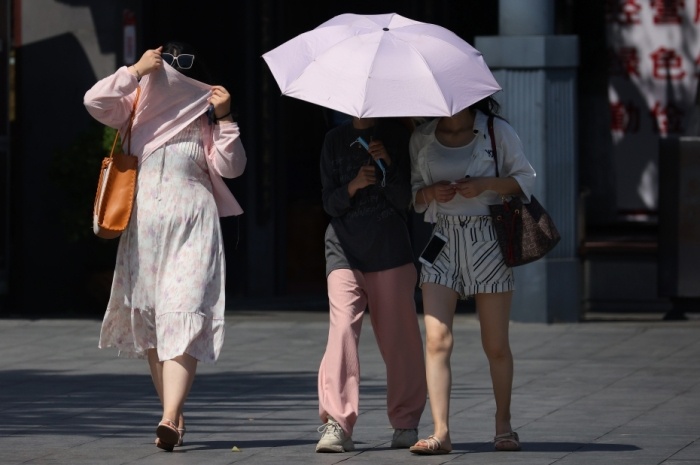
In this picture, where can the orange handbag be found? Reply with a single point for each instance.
(116, 188)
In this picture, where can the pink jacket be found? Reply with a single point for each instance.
(169, 102)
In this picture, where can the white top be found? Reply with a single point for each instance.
(451, 164)
(432, 162)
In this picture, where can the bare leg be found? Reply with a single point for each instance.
(156, 367)
(439, 303)
(178, 375)
(494, 318)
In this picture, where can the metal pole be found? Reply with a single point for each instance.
(5, 47)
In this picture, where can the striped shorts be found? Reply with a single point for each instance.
(471, 262)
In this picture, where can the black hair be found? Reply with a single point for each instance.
(198, 71)
(487, 105)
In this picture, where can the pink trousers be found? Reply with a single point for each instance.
(389, 296)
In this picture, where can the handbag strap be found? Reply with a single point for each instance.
(114, 144)
(131, 119)
(128, 129)
(507, 220)
(493, 142)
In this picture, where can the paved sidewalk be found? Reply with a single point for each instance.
(588, 393)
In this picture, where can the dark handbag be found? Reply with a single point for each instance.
(116, 188)
(525, 231)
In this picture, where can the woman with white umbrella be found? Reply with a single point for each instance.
(373, 66)
(454, 180)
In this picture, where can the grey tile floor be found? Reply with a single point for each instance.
(605, 392)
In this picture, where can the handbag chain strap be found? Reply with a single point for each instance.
(493, 143)
(510, 225)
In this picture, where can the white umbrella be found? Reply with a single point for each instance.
(382, 65)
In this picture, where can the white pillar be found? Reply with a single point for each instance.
(525, 17)
(537, 71)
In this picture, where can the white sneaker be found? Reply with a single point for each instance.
(404, 438)
(333, 438)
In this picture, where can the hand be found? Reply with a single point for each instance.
(221, 100)
(378, 152)
(470, 187)
(149, 62)
(443, 191)
(366, 176)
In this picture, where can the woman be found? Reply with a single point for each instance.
(369, 264)
(453, 181)
(167, 300)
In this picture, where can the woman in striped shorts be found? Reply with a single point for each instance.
(454, 181)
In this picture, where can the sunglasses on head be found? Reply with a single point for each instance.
(183, 61)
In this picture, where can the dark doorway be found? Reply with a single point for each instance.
(5, 47)
(277, 248)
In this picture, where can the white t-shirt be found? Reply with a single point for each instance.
(432, 162)
(450, 164)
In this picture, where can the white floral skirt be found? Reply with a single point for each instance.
(169, 281)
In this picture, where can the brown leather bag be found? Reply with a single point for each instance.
(525, 231)
(116, 188)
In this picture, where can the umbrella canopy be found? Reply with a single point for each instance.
(382, 65)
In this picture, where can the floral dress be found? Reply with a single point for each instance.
(168, 288)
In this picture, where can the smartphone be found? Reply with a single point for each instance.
(431, 251)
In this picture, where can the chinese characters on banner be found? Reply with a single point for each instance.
(654, 53)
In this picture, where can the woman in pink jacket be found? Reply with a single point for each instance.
(167, 300)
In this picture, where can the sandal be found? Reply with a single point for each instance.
(167, 435)
(181, 432)
(432, 447)
(507, 442)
